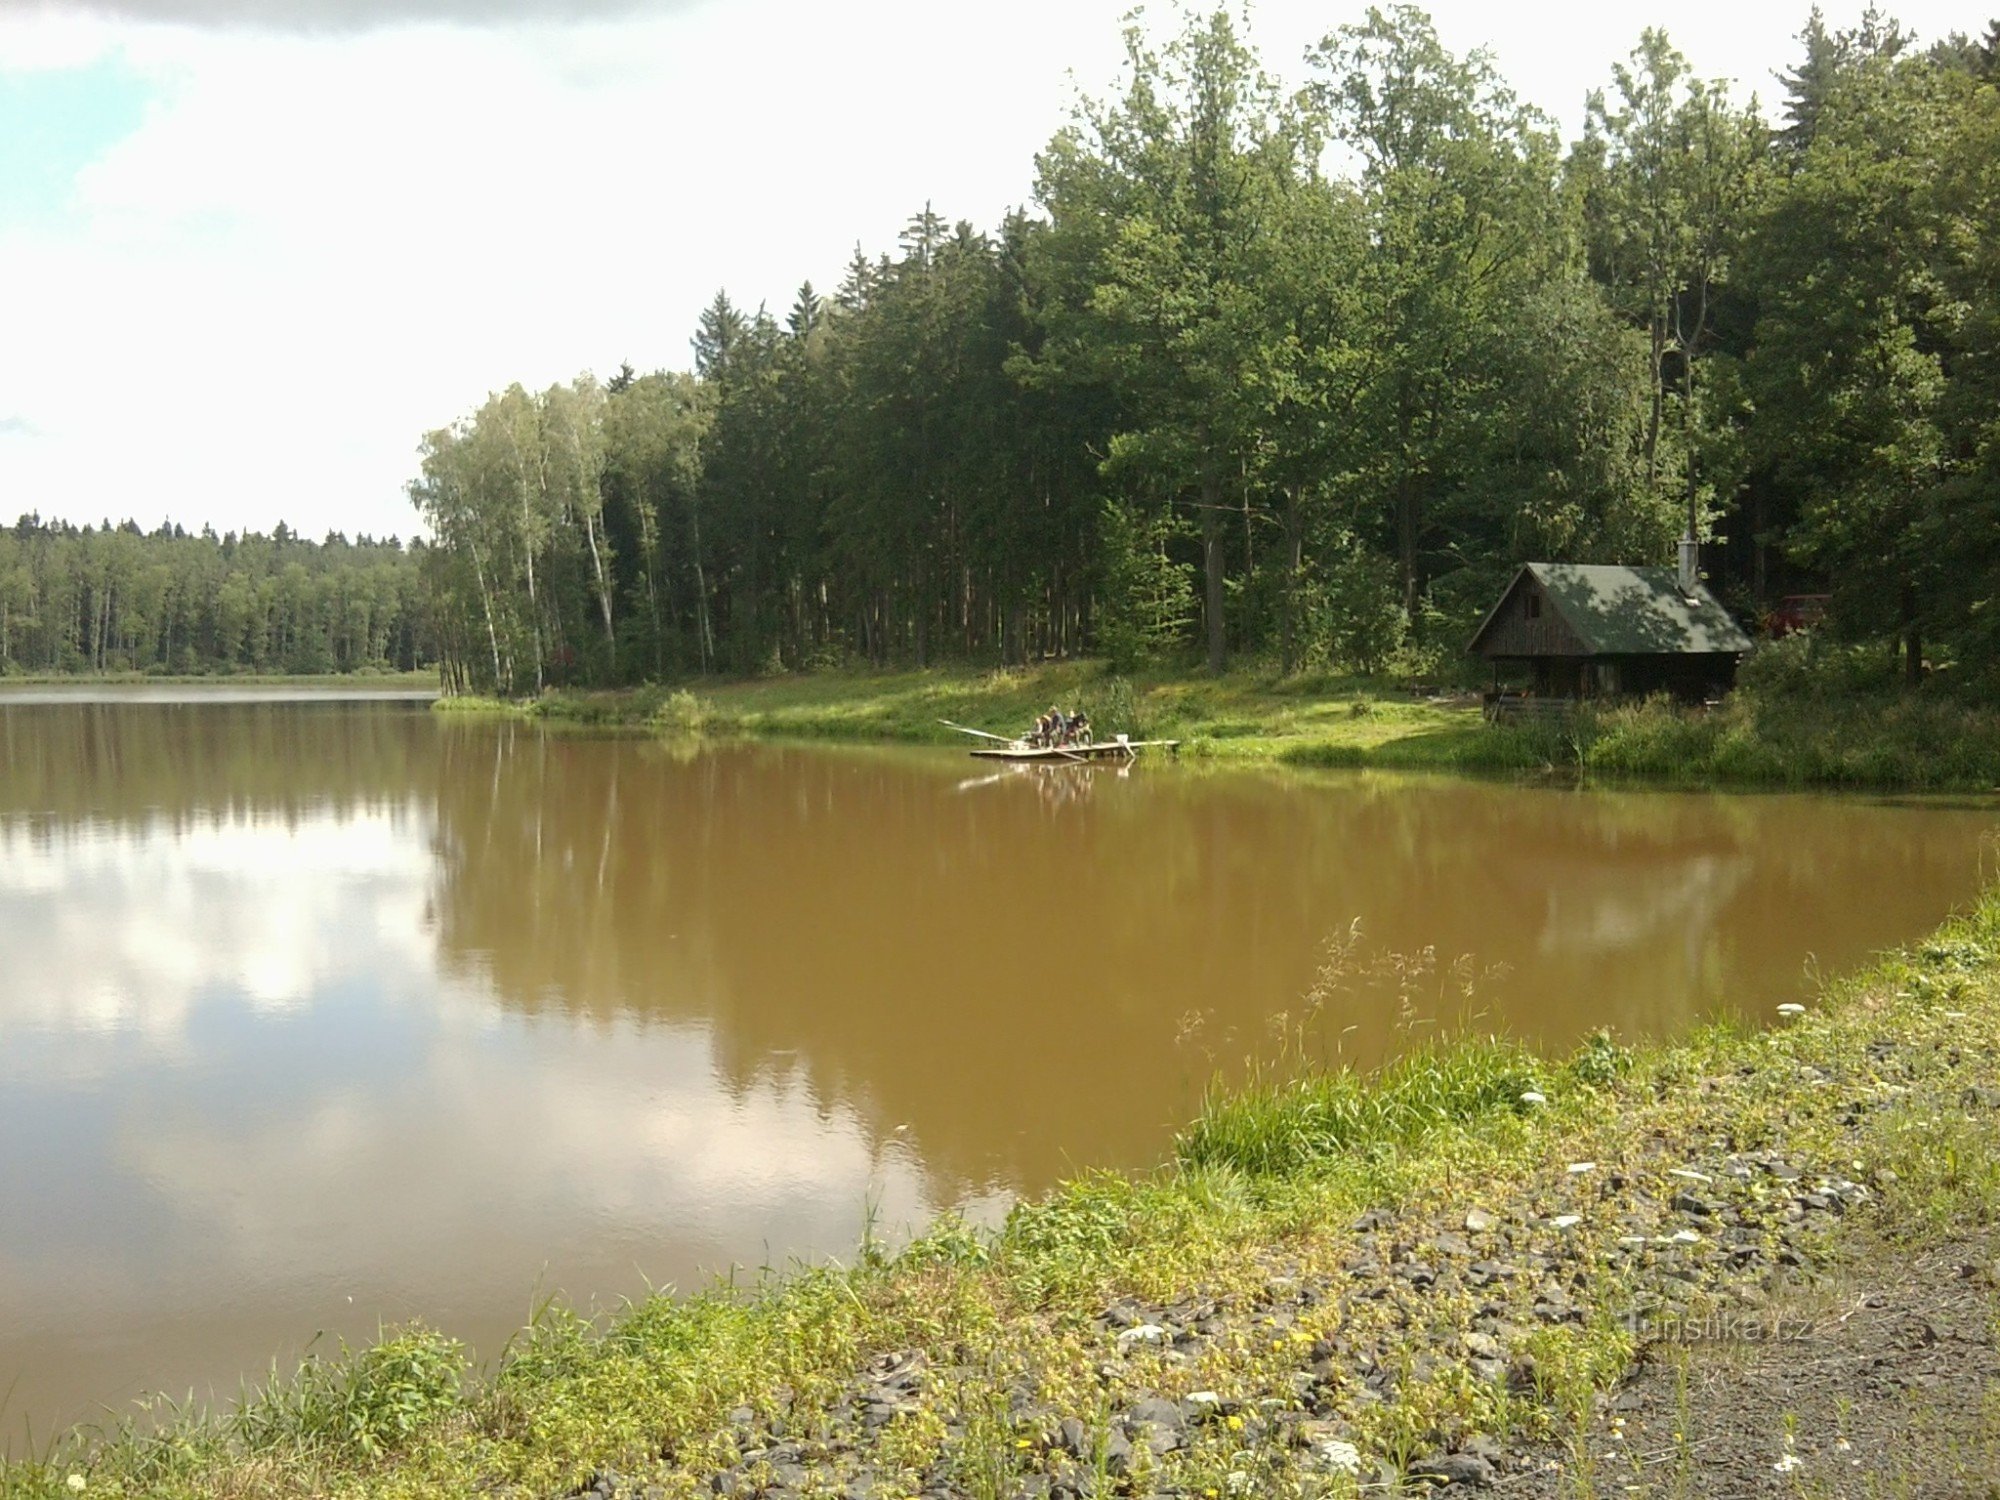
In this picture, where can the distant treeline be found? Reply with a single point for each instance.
(118, 599)
(1302, 373)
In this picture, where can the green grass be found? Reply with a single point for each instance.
(1250, 714)
(1770, 735)
(1269, 1174)
(1875, 742)
(1275, 1126)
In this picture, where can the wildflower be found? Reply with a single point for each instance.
(1341, 1456)
(1788, 1463)
(1235, 1422)
(77, 1483)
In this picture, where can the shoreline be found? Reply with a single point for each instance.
(1770, 742)
(1455, 1267)
(84, 681)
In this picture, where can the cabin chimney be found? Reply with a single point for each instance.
(1690, 578)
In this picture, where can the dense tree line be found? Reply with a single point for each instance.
(1301, 372)
(116, 598)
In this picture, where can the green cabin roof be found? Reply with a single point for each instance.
(1618, 611)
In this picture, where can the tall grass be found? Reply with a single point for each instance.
(1900, 742)
(1275, 1127)
(361, 1404)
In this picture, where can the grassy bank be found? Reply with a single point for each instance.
(1335, 1281)
(1769, 735)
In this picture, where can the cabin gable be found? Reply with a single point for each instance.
(1526, 623)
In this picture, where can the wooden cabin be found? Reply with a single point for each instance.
(1589, 631)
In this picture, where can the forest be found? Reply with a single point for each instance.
(1296, 371)
(118, 599)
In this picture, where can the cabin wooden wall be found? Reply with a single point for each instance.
(1516, 629)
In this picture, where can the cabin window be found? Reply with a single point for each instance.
(1534, 606)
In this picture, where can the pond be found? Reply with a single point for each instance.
(319, 1015)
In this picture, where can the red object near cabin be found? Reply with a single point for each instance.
(1796, 612)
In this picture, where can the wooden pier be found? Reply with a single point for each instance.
(1118, 747)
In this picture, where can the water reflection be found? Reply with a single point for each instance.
(316, 1015)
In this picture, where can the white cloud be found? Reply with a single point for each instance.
(116, 931)
(318, 245)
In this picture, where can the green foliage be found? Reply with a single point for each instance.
(1148, 596)
(682, 713)
(1600, 1060)
(362, 1404)
(1227, 383)
(115, 599)
(1761, 736)
(1113, 708)
(1354, 618)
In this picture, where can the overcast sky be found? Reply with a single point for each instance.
(250, 250)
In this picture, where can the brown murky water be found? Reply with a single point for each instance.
(317, 1015)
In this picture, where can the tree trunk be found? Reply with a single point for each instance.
(492, 635)
(1409, 503)
(1913, 639)
(1295, 543)
(1658, 413)
(1211, 564)
(704, 636)
(603, 587)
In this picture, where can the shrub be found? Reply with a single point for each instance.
(682, 713)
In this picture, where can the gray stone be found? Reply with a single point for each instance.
(1117, 1453)
(1158, 1412)
(1479, 1221)
(1205, 1406)
(1468, 1469)
(1122, 1314)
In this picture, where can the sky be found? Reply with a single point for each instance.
(251, 250)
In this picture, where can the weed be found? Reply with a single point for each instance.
(1943, 1168)
(360, 1404)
